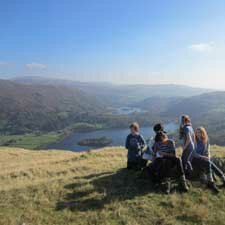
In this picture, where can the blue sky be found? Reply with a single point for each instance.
(120, 41)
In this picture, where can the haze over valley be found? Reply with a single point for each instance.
(36, 105)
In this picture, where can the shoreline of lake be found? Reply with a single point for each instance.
(118, 136)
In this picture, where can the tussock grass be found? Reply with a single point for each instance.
(62, 187)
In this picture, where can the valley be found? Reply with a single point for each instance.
(44, 112)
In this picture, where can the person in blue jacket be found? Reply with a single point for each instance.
(134, 144)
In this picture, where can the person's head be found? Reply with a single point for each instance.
(158, 128)
(134, 128)
(185, 119)
(161, 137)
(201, 134)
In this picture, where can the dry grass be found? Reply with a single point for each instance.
(61, 187)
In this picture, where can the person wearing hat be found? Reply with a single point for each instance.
(158, 128)
(169, 166)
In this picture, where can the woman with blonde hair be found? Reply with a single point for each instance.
(201, 157)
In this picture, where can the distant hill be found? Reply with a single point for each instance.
(199, 106)
(119, 94)
(27, 108)
(157, 104)
(206, 110)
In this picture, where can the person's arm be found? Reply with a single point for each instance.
(188, 140)
(142, 142)
(154, 150)
(127, 145)
(206, 155)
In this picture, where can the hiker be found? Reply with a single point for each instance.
(166, 165)
(155, 167)
(201, 159)
(135, 143)
(171, 166)
(188, 135)
(192, 161)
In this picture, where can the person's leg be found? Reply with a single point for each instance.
(218, 171)
(162, 168)
(131, 165)
(185, 158)
(166, 168)
(153, 171)
(180, 175)
(206, 165)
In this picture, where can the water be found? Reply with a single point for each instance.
(118, 137)
(128, 110)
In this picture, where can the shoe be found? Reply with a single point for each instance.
(183, 184)
(213, 187)
(168, 187)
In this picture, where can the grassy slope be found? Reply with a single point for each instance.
(30, 141)
(61, 187)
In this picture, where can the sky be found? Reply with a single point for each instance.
(118, 41)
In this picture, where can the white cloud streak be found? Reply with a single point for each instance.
(202, 47)
(36, 66)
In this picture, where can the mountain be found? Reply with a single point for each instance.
(68, 188)
(200, 105)
(27, 108)
(119, 95)
(157, 104)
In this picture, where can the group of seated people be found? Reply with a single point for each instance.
(164, 164)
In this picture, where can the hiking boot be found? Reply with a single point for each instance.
(183, 184)
(213, 187)
(168, 187)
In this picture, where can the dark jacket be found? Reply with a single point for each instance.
(134, 143)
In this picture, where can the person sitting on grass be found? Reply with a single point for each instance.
(167, 163)
(201, 159)
(134, 144)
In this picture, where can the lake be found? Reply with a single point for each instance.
(118, 137)
(128, 110)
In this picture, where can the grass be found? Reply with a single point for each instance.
(67, 188)
(41, 140)
(30, 141)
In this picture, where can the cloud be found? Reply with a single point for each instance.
(202, 47)
(3, 63)
(36, 66)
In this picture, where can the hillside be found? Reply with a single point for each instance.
(26, 108)
(61, 187)
(157, 104)
(206, 110)
(117, 95)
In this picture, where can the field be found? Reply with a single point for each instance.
(62, 187)
(42, 140)
(30, 141)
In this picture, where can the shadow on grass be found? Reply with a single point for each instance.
(97, 190)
